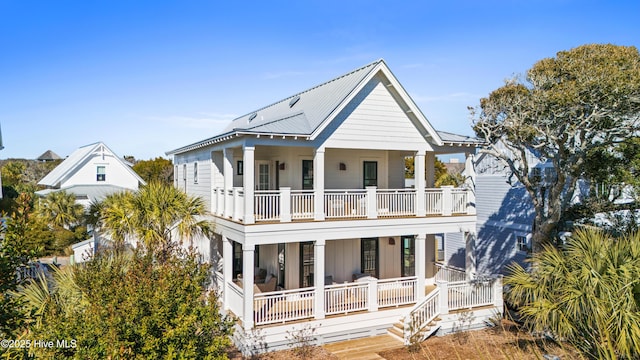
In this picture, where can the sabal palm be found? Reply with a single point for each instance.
(587, 293)
(153, 214)
(60, 209)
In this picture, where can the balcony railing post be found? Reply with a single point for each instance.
(447, 200)
(372, 203)
(220, 202)
(443, 301)
(497, 292)
(285, 204)
(236, 204)
(471, 201)
(214, 200)
(373, 294)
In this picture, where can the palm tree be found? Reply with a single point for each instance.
(154, 215)
(59, 209)
(588, 293)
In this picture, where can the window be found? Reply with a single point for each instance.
(536, 174)
(237, 259)
(240, 167)
(370, 173)
(195, 173)
(369, 256)
(408, 249)
(439, 246)
(306, 264)
(522, 243)
(101, 173)
(307, 174)
(184, 172)
(175, 175)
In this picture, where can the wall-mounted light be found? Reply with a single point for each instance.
(281, 166)
(392, 241)
(343, 166)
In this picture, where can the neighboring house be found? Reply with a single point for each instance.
(49, 156)
(90, 173)
(315, 229)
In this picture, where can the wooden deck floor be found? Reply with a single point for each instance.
(363, 349)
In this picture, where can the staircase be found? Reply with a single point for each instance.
(420, 323)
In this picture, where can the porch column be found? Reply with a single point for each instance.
(430, 159)
(318, 278)
(228, 181)
(443, 304)
(470, 183)
(420, 264)
(470, 262)
(420, 182)
(318, 183)
(227, 270)
(248, 180)
(248, 254)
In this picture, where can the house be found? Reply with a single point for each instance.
(91, 173)
(49, 156)
(315, 229)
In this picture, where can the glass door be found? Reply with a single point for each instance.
(408, 256)
(263, 178)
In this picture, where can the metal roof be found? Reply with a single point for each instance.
(91, 192)
(48, 155)
(449, 138)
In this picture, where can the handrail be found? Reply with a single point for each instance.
(421, 314)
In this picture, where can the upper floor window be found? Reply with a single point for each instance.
(307, 174)
(184, 172)
(370, 173)
(101, 173)
(195, 173)
(522, 243)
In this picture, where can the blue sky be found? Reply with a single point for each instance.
(149, 76)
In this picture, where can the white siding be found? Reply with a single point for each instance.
(375, 120)
(342, 259)
(116, 173)
(454, 249)
(201, 188)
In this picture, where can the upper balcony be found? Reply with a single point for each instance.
(286, 205)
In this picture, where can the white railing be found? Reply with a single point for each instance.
(433, 201)
(286, 205)
(459, 201)
(449, 273)
(30, 271)
(282, 306)
(395, 292)
(236, 299)
(470, 294)
(421, 315)
(340, 204)
(302, 204)
(400, 202)
(267, 205)
(346, 298)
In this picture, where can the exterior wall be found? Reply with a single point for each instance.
(374, 114)
(454, 250)
(116, 173)
(503, 212)
(342, 259)
(202, 187)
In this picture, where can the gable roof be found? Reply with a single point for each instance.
(48, 156)
(60, 172)
(307, 113)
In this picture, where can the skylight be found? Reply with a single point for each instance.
(294, 101)
(253, 116)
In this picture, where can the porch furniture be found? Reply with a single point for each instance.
(269, 285)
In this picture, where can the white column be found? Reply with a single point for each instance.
(248, 182)
(373, 294)
(470, 184)
(227, 269)
(285, 204)
(420, 182)
(430, 159)
(497, 293)
(420, 264)
(228, 181)
(248, 254)
(318, 183)
(318, 280)
(470, 262)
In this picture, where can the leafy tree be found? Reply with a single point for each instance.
(583, 99)
(13, 255)
(442, 175)
(154, 215)
(587, 293)
(158, 169)
(128, 306)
